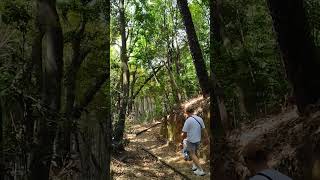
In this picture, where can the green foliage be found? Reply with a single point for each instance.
(313, 14)
(16, 13)
(251, 59)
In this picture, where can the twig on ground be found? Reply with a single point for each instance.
(166, 164)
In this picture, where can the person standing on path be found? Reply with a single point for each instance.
(192, 132)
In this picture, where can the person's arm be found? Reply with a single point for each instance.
(207, 136)
(183, 135)
(205, 132)
(184, 132)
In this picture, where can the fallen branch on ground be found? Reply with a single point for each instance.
(166, 164)
(154, 125)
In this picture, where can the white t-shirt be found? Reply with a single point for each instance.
(273, 174)
(193, 129)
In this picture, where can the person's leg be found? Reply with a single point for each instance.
(192, 148)
(195, 159)
(199, 171)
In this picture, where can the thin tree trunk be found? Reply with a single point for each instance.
(170, 58)
(195, 48)
(131, 100)
(298, 50)
(70, 86)
(178, 63)
(51, 92)
(90, 93)
(174, 86)
(125, 74)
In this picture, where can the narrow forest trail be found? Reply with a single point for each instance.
(139, 164)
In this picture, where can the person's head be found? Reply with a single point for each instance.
(189, 111)
(255, 157)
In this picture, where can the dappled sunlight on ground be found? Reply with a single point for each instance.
(137, 164)
(151, 140)
(157, 147)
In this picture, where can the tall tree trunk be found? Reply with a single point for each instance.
(177, 60)
(2, 165)
(132, 85)
(218, 115)
(125, 74)
(195, 48)
(51, 89)
(78, 57)
(172, 80)
(106, 125)
(170, 59)
(174, 86)
(298, 50)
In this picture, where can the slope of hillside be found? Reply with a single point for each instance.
(294, 142)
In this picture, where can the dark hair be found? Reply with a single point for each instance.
(189, 110)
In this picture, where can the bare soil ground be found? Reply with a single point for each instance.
(138, 164)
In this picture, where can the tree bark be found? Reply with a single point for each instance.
(170, 60)
(298, 50)
(132, 85)
(70, 86)
(106, 125)
(125, 76)
(195, 48)
(51, 89)
(2, 165)
(174, 87)
(218, 114)
(177, 57)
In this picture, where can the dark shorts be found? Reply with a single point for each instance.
(192, 147)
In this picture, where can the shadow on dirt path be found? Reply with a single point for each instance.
(138, 164)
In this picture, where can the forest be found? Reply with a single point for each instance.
(99, 89)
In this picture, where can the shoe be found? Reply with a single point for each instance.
(199, 172)
(194, 167)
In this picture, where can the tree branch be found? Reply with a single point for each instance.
(146, 81)
(90, 93)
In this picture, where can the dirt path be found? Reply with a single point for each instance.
(138, 164)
